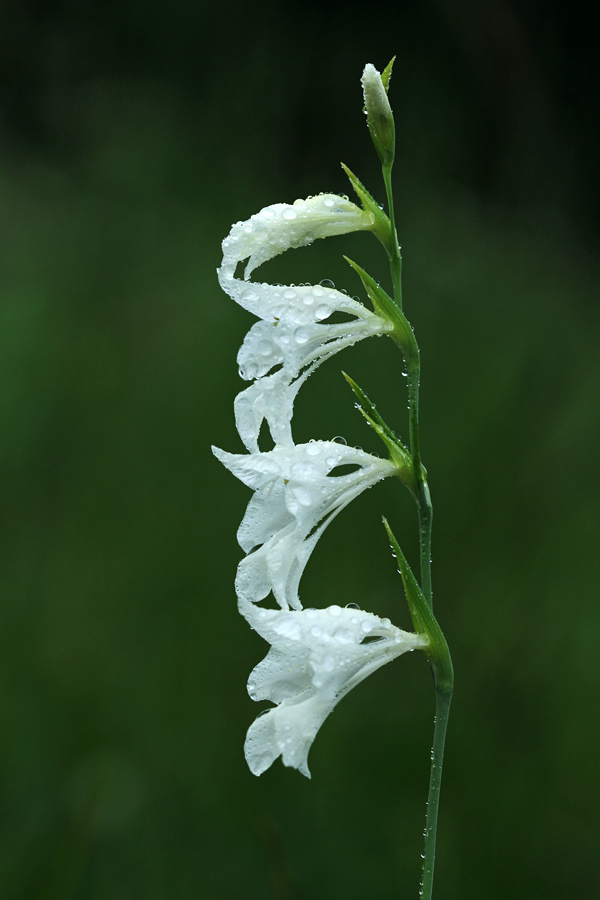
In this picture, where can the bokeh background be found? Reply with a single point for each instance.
(131, 136)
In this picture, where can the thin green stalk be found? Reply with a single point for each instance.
(395, 257)
(425, 509)
(420, 599)
(442, 709)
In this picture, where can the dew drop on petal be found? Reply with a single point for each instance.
(289, 628)
(303, 496)
(301, 335)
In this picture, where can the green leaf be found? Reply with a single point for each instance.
(385, 307)
(382, 227)
(424, 621)
(399, 454)
(387, 74)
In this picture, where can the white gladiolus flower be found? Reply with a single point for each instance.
(316, 657)
(293, 332)
(297, 494)
(283, 226)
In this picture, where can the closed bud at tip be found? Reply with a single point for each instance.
(380, 118)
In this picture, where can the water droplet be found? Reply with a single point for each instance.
(289, 628)
(301, 335)
(289, 214)
(352, 606)
(321, 312)
(303, 496)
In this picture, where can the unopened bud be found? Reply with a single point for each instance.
(380, 118)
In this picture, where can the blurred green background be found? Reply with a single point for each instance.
(131, 136)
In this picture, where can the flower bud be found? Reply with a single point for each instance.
(379, 114)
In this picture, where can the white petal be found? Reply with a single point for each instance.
(291, 304)
(280, 676)
(266, 514)
(269, 399)
(283, 226)
(286, 731)
(277, 566)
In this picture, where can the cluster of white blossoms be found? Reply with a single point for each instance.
(316, 656)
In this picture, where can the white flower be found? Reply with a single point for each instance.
(297, 494)
(293, 332)
(316, 657)
(282, 226)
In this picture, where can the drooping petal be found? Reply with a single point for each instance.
(316, 657)
(269, 399)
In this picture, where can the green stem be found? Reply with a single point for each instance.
(442, 709)
(394, 251)
(425, 509)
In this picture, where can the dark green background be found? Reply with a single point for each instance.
(131, 136)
